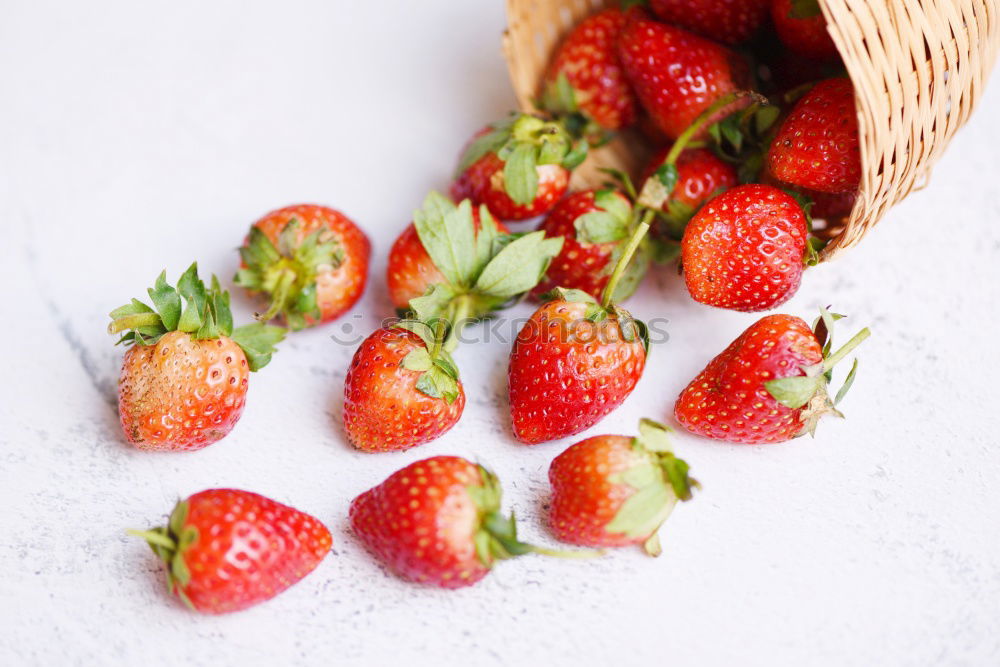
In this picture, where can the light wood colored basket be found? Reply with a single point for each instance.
(918, 66)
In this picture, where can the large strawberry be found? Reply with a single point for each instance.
(817, 145)
(184, 378)
(676, 74)
(802, 28)
(439, 522)
(746, 249)
(227, 550)
(586, 76)
(310, 261)
(729, 21)
(615, 490)
(518, 167)
(770, 384)
(575, 360)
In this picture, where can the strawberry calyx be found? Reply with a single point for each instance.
(496, 534)
(804, 9)
(810, 391)
(660, 481)
(559, 98)
(523, 142)
(169, 543)
(286, 272)
(190, 307)
(438, 372)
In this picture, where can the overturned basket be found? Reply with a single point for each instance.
(918, 66)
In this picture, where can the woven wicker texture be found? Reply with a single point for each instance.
(918, 67)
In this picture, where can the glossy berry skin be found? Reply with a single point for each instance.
(816, 146)
(337, 289)
(579, 265)
(181, 394)
(805, 36)
(589, 59)
(744, 249)
(567, 373)
(831, 206)
(421, 522)
(383, 409)
(483, 183)
(410, 271)
(675, 74)
(248, 549)
(728, 400)
(584, 499)
(728, 21)
(700, 175)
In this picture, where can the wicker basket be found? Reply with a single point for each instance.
(918, 67)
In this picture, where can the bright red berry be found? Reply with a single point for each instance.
(817, 146)
(745, 249)
(729, 21)
(768, 386)
(700, 176)
(227, 550)
(310, 261)
(595, 83)
(802, 28)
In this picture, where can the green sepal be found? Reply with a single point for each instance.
(743, 137)
(520, 173)
(804, 9)
(489, 142)
(169, 543)
(794, 392)
(448, 234)
(167, 302)
(607, 225)
(258, 341)
(423, 330)
(434, 303)
(438, 374)
(558, 96)
(519, 266)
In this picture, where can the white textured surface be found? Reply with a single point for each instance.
(138, 136)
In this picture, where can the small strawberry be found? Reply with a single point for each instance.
(311, 262)
(518, 167)
(770, 384)
(227, 550)
(675, 74)
(594, 226)
(613, 490)
(184, 378)
(729, 21)
(401, 390)
(439, 522)
(817, 146)
(575, 360)
(802, 28)
(586, 76)
(746, 249)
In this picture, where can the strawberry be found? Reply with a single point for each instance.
(438, 522)
(184, 378)
(770, 384)
(518, 167)
(575, 360)
(227, 550)
(745, 249)
(586, 76)
(310, 261)
(816, 146)
(802, 28)
(675, 74)
(400, 392)
(729, 21)
(594, 225)
(613, 490)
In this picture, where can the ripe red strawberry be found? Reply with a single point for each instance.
(745, 249)
(676, 74)
(438, 522)
(594, 226)
(518, 167)
(183, 382)
(227, 550)
(769, 385)
(728, 21)
(400, 391)
(310, 261)
(699, 176)
(613, 490)
(586, 75)
(831, 206)
(802, 28)
(816, 146)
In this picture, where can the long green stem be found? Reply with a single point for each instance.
(458, 316)
(567, 553)
(846, 349)
(633, 243)
(703, 119)
(153, 537)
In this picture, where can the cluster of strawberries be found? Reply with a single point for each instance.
(729, 193)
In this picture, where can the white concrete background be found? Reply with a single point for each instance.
(140, 136)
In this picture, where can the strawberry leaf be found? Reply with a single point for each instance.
(447, 233)
(644, 511)
(520, 174)
(518, 266)
(258, 341)
(795, 392)
(489, 142)
(167, 302)
(653, 436)
(600, 227)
